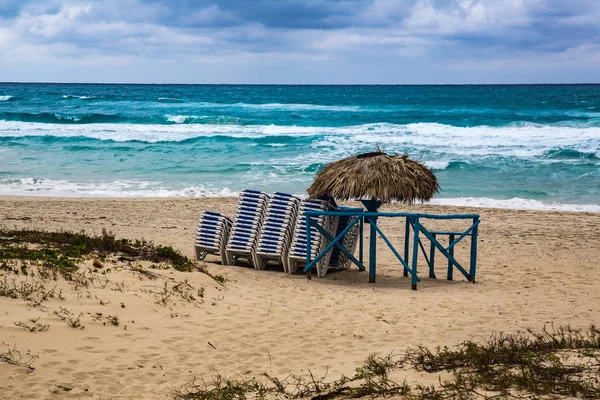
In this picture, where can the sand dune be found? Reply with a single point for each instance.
(534, 268)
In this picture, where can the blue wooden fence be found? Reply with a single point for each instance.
(414, 225)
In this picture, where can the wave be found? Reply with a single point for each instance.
(456, 165)
(273, 106)
(301, 106)
(516, 203)
(547, 143)
(122, 188)
(202, 119)
(73, 96)
(169, 100)
(570, 154)
(124, 120)
(57, 118)
(6, 98)
(149, 189)
(155, 133)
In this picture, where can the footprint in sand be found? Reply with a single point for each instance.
(65, 371)
(88, 349)
(172, 340)
(80, 376)
(51, 364)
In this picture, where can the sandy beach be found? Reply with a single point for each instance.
(534, 268)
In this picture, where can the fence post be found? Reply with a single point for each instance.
(415, 254)
(361, 240)
(451, 251)
(432, 259)
(372, 250)
(473, 268)
(406, 240)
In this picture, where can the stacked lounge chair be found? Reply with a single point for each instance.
(297, 251)
(246, 226)
(212, 235)
(274, 228)
(338, 259)
(277, 230)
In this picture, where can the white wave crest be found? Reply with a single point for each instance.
(74, 96)
(178, 119)
(514, 204)
(74, 118)
(524, 141)
(445, 141)
(147, 189)
(122, 188)
(5, 98)
(437, 165)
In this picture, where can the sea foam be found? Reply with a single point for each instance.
(120, 188)
(439, 144)
(514, 204)
(150, 189)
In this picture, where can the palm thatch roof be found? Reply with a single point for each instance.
(377, 176)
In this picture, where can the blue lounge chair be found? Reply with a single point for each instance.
(297, 252)
(212, 235)
(277, 230)
(246, 226)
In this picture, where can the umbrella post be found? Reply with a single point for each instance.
(372, 206)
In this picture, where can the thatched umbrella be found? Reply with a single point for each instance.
(375, 178)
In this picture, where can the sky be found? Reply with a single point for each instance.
(301, 41)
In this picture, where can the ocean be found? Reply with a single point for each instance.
(516, 146)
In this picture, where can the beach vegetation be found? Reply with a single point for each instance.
(60, 253)
(30, 290)
(183, 290)
(33, 325)
(164, 296)
(74, 321)
(143, 272)
(106, 319)
(554, 363)
(19, 358)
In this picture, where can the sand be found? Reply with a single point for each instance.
(534, 268)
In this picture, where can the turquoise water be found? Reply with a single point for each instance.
(523, 146)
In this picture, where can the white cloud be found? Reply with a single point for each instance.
(372, 34)
(467, 16)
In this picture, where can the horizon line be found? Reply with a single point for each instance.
(296, 84)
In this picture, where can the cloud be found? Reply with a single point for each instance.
(313, 38)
